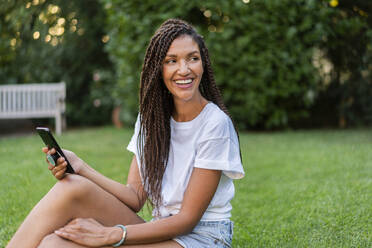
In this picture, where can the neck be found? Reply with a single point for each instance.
(187, 111)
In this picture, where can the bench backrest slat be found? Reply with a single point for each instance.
(26, 99)
(34, 101)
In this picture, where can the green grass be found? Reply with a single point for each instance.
(302, 189)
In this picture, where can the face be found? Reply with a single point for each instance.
(183, 69)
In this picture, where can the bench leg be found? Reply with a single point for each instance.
(59, 124)
(64, 123)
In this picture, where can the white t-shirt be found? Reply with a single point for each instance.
(209, 141)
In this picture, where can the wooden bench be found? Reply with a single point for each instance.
(24, 101)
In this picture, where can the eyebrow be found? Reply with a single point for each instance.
(191, 53)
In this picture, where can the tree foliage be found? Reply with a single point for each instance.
(52, 41)
(279, 63)
(262, 51)
(346, 88)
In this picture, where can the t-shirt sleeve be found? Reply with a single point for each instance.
(220, 151)
(132, 146)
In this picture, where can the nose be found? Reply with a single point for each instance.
(183, 68)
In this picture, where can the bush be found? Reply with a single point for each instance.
(52, 41)
(261, 52)
(278, 63)
(348, 48)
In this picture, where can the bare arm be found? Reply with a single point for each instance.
(200, 191)
(201, 188)
(131, 194)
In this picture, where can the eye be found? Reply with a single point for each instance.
(170, 61)
(194, 58)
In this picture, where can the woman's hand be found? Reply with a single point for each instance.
(89, 232)
(60, 168)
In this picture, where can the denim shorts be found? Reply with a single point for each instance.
(208, 234)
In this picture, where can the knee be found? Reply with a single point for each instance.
(74, 186)
(51, 240)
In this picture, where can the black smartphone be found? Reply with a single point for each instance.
(49, 141)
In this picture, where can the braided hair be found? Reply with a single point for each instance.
(156, 103)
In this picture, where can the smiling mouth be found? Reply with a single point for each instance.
(184, 82)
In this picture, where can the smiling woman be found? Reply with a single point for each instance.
(182, 72)
(185, 156)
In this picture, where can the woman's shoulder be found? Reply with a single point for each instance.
(216, 123)
(215, 115)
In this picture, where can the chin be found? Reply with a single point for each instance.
(184, 97)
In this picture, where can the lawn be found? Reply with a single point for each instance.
(302, 189)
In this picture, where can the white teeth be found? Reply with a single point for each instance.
(187, 81)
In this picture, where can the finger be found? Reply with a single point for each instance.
(60, 167)
(74, 221)
(45, 149)
(66, 235)
(60, 174)
(60, 160)
(51, 151)
(75, 225)
(94, 221)
(72, 227)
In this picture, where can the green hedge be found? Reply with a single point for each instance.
(261, 52)
(279, 63)
(75, 55)
(348, 47)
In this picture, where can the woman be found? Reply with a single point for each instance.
(186, 153)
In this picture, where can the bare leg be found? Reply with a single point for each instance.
(72, 197)
(55, 241)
